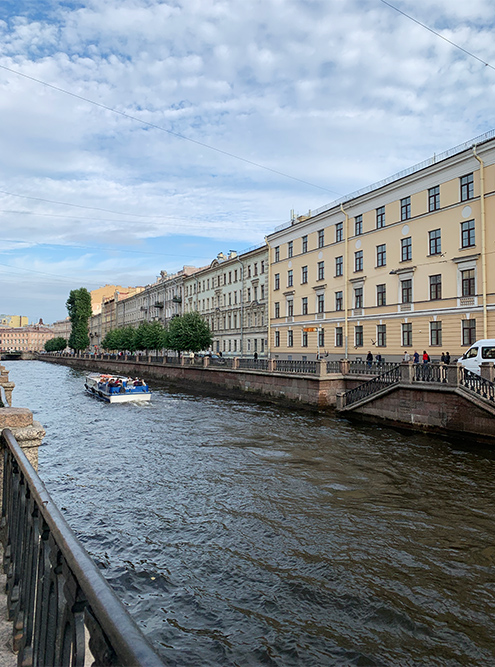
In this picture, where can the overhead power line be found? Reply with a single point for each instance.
(164, 129)
(445, 39)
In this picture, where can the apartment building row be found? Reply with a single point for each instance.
(28, 338)
(405, 264)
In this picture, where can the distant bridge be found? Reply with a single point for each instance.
(12, 355)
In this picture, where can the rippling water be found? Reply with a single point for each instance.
(246, 534)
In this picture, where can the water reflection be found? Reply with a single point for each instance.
(245, 534)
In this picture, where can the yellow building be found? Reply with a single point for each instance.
(405, 264)
(14, 321)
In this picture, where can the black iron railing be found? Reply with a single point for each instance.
(370, 367)
(371, 387)
(292, 366)
(430, 373)
(479, 385)
(253, 364)
(333, 366)
(56, 594)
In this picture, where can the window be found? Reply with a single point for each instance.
(434, 198)
(321, 337)
(304, 244)
(339, 300)
(468, 332)
(290, 249)
(467, 187)
(304, 339)
(381, 255)
(262, 268)
(380, 217)
(290, 278)
(255, 273)
(358, 336)
(304, 305)
(358, 260)
(321, 303)
(406, 291)
(290, 338)
(467, 234)
(277, 253)
(358, 297)
(277, 281)
(339, 266)
(321, 270)
(435, 242)
(321, 238)
(381, 335)
(358, 225)
(249, 270)
(435, 334)
(339, 337)
(468, 283)
(262, 288)
(277, 338)
(405, 208)
(406, 249)
(381, 295)
(304, 275)
(435, 287)
(407, 334)
(290, 308)
(339, 232)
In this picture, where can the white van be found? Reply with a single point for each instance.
(482, 350)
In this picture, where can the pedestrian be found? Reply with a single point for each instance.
(447, 358)
(442, 358)
(369, 359)
(255, 356)
(416, 357)
(426, 357)
(378, 359)
(407, 356)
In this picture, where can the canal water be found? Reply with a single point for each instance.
(244, 534)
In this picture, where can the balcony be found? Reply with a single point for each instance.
(177, 299)
(158, 304)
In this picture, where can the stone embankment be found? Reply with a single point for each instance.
(437, 398)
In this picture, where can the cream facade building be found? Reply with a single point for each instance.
(405, 264)
(231, 294)
(30, 338)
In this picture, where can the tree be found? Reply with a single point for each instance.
(79, 309)
(189, 333)
(55, 344)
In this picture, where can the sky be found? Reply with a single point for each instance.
(138, 136)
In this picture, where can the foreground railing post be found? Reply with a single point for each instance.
(55, 591)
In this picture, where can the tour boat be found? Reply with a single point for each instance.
(116, 388)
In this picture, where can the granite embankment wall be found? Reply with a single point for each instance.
(304, 389)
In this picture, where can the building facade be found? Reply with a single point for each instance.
(231, 294)
(31, 338)
(405, 264)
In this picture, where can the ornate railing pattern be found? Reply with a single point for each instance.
(370, 367)
(292, 366)
(476, 383)
(253, 364)
(373, 386)
(333, 366)
(430, 373)
(225, 362)
(56, 594)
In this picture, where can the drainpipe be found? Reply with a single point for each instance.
(242, 304)
(483, 240)
(346, 273)
(268, 302)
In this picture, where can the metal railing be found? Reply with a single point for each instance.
(479, 385)
(56, 594)
(430, 373)
(225, 362)
(370, 367)
(253, 364)
(292, 366)
(373, 386)
(333, 366)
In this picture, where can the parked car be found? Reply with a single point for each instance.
(482, 350)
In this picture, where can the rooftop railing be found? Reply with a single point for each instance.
(61, 606)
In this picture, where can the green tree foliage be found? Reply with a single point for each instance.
(112, 340)
(55, 344)
(79, 309)
(189, 333)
